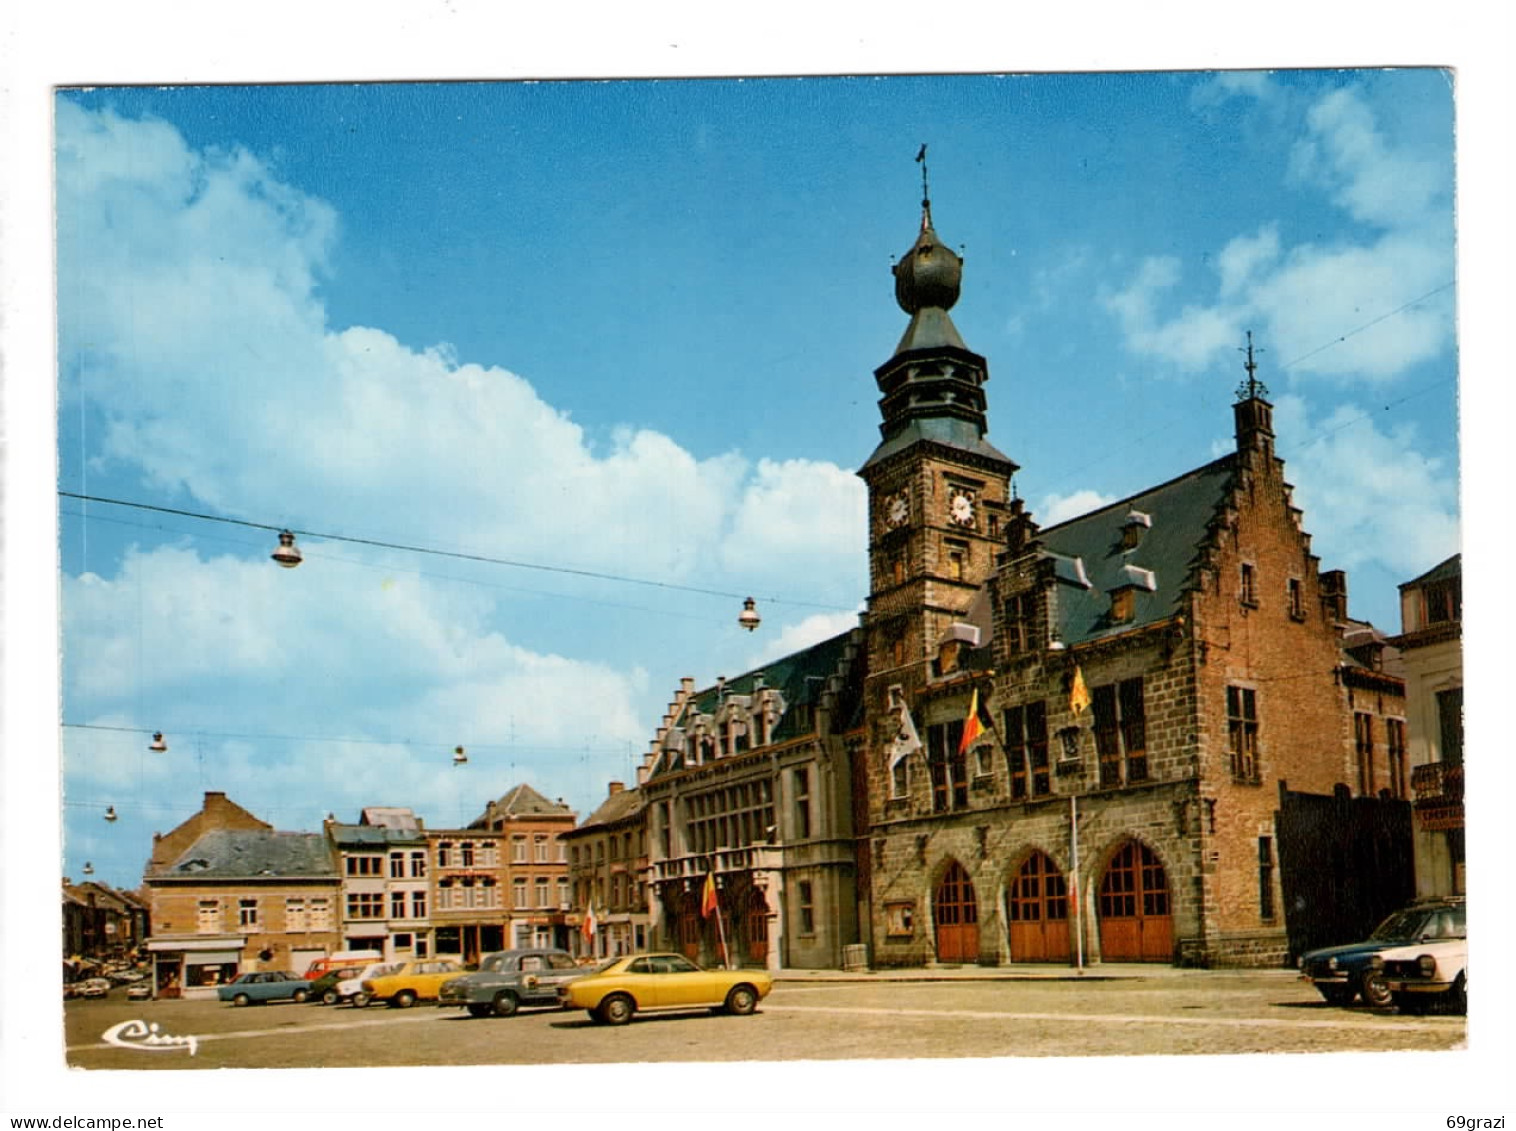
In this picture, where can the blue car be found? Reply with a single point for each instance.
(264, 985)
(1342, 973)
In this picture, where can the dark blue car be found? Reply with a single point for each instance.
(1342, 973)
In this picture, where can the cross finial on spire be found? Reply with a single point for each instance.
(926, 195)
(1252, 387)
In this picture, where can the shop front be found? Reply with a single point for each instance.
(193, 966)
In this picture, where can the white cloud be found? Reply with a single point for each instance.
(1345, 294)
(1061, 508)
(1226, 85)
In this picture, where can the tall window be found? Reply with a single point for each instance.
(247, 913)
(540, 845)
(1296, 601)
(320, 914)
(1120, 732)
(518, 894)
(949, 768)
(418, 865)
(1247, 591)
(899, 778)
(802, 780)
(542, 897)
(1450, 725)
(518, 849)
(1394, 732)
(444, 854)
(397, 865)
(1444, 600)
(807, 908)
(466, 850)
(294, 914)
(563, 892)
(1363, 743)
(397, 905)
(1019, 613)
(1242, 733)
(1026, 749)
(418, 905)
(1266, 877)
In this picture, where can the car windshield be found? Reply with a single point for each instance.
(1416, 923)
(494, 963)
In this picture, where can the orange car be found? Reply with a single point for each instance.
(624, 986)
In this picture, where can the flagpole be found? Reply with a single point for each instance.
(726, 955)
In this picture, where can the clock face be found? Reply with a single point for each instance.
(897, 510)
(961, 509)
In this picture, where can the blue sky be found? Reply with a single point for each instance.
(629, 328)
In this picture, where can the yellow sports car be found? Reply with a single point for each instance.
(662, 981)
(408, 983)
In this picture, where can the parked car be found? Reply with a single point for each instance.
(324, 989)
(351, 989)
(509, 979)
(139, 991)
(94, 987)
(1342, 973)
(1427, 973)
(341, 960)
(621, 987)
(264, 985)
(410, 982)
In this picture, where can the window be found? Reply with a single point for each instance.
(444, 854)
(949, 770)
(365, 865)
(1265, 877)
(320, 914)
(1363, 744)
(1443, 600)
(734, 816)
(1242, 733)
(563, 892)
(247, 914)
(466, 850)
(518, 895)
(807, 909)
(542, 894)
(518, 849)
(897, 649)
(1123, 604)
(397, 905)
(208, 916)
(397, 865)
(418, 905)
(1026, 749)
(418, 865)
(404, 940)
(1120, 733)
(1247, 591)
(294, 914)
(802, 780)
(1020, 612)
(957, 559)
(365, 905)
(541, 845)
(1450, 725)
(1296, 601)
(1394, 733)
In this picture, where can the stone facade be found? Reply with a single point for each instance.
(608, 871)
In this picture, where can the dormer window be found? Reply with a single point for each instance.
(1123, 604)
(1133, 528)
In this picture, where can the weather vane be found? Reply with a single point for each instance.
(926, 195)
(1252, 387)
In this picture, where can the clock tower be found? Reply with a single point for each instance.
(937, 488)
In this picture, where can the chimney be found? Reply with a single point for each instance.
(642, 774)
(1334, 594)
(616, 787)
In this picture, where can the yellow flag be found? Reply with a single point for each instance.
(1079, 694)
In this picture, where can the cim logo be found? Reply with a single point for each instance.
(146, 1038)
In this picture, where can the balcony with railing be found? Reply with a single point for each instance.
(751, 858)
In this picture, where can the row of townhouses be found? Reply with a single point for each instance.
(1150, 733)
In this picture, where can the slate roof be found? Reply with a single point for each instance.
(254, 853)
(373, 836)
(522, 801)
(1453, 567)
(616, 807)
(390, 817)
(1088, 548)
(950, 432)
(800, 678)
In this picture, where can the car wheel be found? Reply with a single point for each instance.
(329, 998)
(617, 1009)
(1338, 995)
(1458, 996)
(404, 999)
(478, 1009)
(300, 996)
(241, 999)
(360, 1000)
(505, 1003)
(1375, 993)
(742, 1000)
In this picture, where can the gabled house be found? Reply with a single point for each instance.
(608, 872)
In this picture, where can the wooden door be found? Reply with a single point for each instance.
(1136, 924)
(956, 914)
(755, 925)
(1037, 910)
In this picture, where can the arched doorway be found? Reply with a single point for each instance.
(1136, 922)
(956, 914)
(755, 927)
(1037, 911)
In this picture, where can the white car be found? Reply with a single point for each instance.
(351, 989)
(1426, 973)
